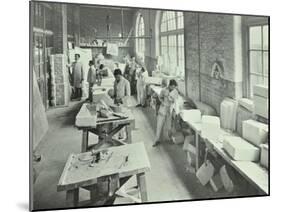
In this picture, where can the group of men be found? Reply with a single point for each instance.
(133, 79)
(77, 77)
(131, 82)
(136, 75)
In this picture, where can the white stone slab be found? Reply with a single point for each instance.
(210, 127)
(240, 150)
(255, 132)
(191, 115)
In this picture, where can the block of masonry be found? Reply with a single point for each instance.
(255, 132)
(240, 149)
(210, 128)
(192, 115)
(228, 111)
(260, 97)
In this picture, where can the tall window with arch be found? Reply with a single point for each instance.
(172, 43)
(140, 42)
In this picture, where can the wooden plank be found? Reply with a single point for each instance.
(142, 186)
(93, 192)
(39, 118)
(251, 171)
(129, 134)
(72, 197)
(197, 150)
(79, 173)
(65, 170)
(196, 126)
(255, 173)
(89, 119)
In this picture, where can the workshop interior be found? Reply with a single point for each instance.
(137, 105)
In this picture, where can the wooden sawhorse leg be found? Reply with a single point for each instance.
(93, 193)
(142, 186)
(85, 140)
(197, 151)
(129, 133)
(72, 197)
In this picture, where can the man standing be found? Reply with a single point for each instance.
(132, 78)
(121, 87)
(78, 77)
(121, 93)
(91, 79)
(141, 74)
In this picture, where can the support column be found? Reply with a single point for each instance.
(59, 74)
(60, 28)
(77, 26)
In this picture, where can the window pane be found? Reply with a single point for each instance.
(163, 41)
(265, 37)
(163, 27)
(164, 22)
(164, 50)
(140, 32)
(164, 16)
(171, 24)
(172, 44)
(265, 63)
(180, 40)
(172, 40)
(180, 20)
(255, 80)
(255, 37)
(256, 62)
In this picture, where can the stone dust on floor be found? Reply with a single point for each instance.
(167, 180)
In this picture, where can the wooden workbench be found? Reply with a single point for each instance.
(251, 171)
(196, 127)
(88, 121)
(78, 173)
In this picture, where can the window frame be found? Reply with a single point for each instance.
(248, 86)
(174, 32)
(140, 42)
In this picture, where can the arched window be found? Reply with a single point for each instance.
(172, 43)
(140, 45)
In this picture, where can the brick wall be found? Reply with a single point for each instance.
(208, 37)
(192, 55)
(211, 37)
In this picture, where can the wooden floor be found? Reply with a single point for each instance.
(167, 180)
